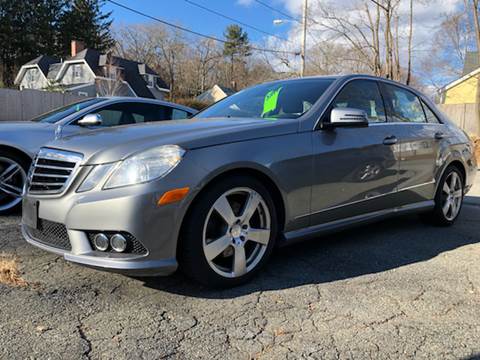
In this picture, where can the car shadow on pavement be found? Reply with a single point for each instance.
(369, 249)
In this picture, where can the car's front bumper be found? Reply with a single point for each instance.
(131, 265)
(133, 210)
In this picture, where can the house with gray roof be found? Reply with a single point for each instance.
(90, 73)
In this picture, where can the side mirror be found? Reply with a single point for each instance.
(90, 120)
(348, 117)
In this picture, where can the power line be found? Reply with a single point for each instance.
(277, 11)
(178, 27)
(235, 20)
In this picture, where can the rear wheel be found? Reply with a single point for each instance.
(229, 233)
(449, 198)
(13, 175)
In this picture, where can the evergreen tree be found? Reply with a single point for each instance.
(236, 48)
(84, 20)
(29, 28)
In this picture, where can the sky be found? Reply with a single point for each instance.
(428, 16)
(182, 13)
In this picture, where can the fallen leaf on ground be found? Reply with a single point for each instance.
(9, 274)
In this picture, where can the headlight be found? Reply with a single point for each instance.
(94, 177)
(145, 166)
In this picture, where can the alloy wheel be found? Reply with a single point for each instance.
(236, 232)
(452, 196)
(12, 180)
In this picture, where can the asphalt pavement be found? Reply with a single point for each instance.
(397, 289)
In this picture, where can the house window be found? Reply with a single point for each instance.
(31, 78)
(150, 80)
(77, 71)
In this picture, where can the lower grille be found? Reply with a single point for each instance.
(52, 234)
(134, 246)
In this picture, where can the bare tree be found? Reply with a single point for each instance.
(111, 84)
(410, 40)
(477, 25)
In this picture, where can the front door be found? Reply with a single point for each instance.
(355, 168)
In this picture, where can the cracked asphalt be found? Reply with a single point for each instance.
(397, 289)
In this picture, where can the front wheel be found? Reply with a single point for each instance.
(13, 175)
(230, 233)
(449, 198)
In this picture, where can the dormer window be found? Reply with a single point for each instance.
(77, 71)
(150, 79)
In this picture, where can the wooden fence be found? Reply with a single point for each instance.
(18, 105)
(466, 116)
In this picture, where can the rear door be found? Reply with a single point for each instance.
(355, 168)
(418, 141)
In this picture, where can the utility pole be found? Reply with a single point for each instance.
(304, 37)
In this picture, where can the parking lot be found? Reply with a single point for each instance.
(397, 289)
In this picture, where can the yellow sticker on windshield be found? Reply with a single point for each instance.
(271, 100)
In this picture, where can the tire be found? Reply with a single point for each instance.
(10, 197)
(206, 231)
(443, 214)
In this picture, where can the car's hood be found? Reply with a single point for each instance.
(27, 136)
(23, 125)
(113, 144)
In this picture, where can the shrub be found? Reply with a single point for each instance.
(193, 103)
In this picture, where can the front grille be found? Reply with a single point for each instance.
(134, 246)
(52, 234)
(52, 171)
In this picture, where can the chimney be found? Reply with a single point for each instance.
(76, 47)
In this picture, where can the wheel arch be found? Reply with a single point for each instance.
(460, 166)
(16, 151)
(254, 172)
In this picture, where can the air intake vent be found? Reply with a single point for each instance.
(52, 171)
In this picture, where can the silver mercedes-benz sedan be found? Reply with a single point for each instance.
(21, 140)
(272, 164)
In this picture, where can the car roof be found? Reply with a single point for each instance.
(149, 101)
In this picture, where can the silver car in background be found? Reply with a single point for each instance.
(20, 141)
(270, 165)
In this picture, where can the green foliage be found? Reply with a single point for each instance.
(237, 44)
(29, 28)
(83, 20)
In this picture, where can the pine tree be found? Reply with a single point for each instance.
(236, 48)
(27, 29)
(84, 20)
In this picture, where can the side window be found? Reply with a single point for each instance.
(116, 114)
(431, 117)
(178, 114)
(362, 95)
(402, 105)
(148, 112)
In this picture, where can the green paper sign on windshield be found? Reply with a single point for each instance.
(270, 101)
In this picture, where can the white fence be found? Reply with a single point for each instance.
(18, 105)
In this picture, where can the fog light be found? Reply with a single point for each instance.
(101, 242)
(118, 243)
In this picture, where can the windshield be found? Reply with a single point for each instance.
(61, 113)
(287, 99)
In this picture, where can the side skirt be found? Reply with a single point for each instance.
(321, 229)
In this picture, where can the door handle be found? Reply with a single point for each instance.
(391, 140)
(439, 135)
